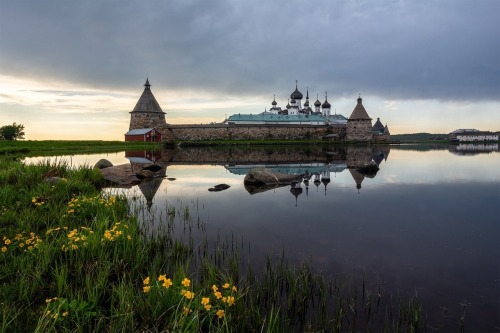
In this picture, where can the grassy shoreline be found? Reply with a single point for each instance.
(75, 259)
(55, 147)
(62, 147)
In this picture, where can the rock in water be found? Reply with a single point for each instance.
(261, 176)
(370, 170)
(153, 167)
(220, 187)
(145, 174)
(103, 163)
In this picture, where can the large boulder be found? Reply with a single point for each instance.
(103, 163)
(264, 176)
(369, 170)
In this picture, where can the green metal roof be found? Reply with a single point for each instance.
(274, 118)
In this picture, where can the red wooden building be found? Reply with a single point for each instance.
(143, 135)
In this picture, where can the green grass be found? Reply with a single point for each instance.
(74, 259)
(53, 147)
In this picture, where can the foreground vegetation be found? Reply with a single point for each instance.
(74, 259)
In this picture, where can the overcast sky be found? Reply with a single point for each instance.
(75, 69)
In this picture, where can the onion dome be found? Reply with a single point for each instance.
(378, 127)
(274, 102)
(359, 112)
(326, 105)
(386, 129)
(317, 103)
(296, 94)
(288, 105)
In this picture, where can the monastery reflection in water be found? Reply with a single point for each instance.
(315, 165)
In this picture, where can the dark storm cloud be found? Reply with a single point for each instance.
(445, 50)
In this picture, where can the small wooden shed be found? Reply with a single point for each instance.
(143, 135)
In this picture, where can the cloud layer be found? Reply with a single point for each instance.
(423, 65)
(397, 49)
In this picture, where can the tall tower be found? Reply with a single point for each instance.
(359, 124)
(147, 112)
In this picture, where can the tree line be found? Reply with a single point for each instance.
(12, 132)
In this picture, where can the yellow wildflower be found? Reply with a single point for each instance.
(208, 307)
(230, 300)
(167, 283)
(183, 292)
(189, 294)
(186, 310)
(162, 278)
(218, 294)
(4, 249)
(186, 282)
(220, 313)
(146, 280)
(205, 300)
(33, 199)
(65, 314)
(234, 288)
(7, 241)
(214, 288)
(225, 286)
(146, 289)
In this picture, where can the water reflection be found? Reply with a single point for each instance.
(473, 148)
(313, 164)
(427, 220)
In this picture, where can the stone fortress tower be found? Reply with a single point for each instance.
(359, 124)
(147, 112)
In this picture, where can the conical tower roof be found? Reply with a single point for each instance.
(378, 127)
(358, 178)
(386, 130)
(359, 112)
(147, 102)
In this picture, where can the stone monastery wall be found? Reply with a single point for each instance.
(248, 132)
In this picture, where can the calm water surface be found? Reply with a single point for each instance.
(428, 221)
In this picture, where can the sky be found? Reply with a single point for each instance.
(73, 70)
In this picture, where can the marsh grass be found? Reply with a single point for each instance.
(75, 258)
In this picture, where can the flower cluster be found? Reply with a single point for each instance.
(58, 309)
(37, 202)
(75, 238)
(54, 307)
(118, 231)
(24, 242)
(216, 303)
(79, 205)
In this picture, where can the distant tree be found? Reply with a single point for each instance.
(12, 132)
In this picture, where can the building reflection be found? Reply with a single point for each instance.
(318, 167)
(153, 168)
(473, 148)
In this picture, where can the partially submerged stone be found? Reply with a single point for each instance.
(264, 176)
(370, 170)
(219, 187)
(103, 163)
